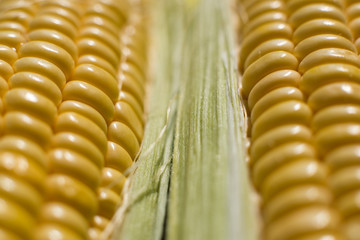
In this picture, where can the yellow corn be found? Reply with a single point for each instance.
(72, 88)
(125, 132)
(72, 115)
(301, 81)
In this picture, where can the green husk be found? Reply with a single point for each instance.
(191, 180)
(209, 191)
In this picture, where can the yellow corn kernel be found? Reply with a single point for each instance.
(291, 180)
(72, 91)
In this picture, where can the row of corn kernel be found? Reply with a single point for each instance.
(80, 142)
(22, 156)
(283, 159)
(330, 68)
(126, 130)
(350, 156)
(109, 38)
(47, 93)
(331, 74)
(58, 24)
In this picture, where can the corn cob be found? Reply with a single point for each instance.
(22, 153)
(345, 171)
(64, 117)
(283, 159)
(75, 170)
(72, 118)
(330, 80)
(336, 79)
(329, 65)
